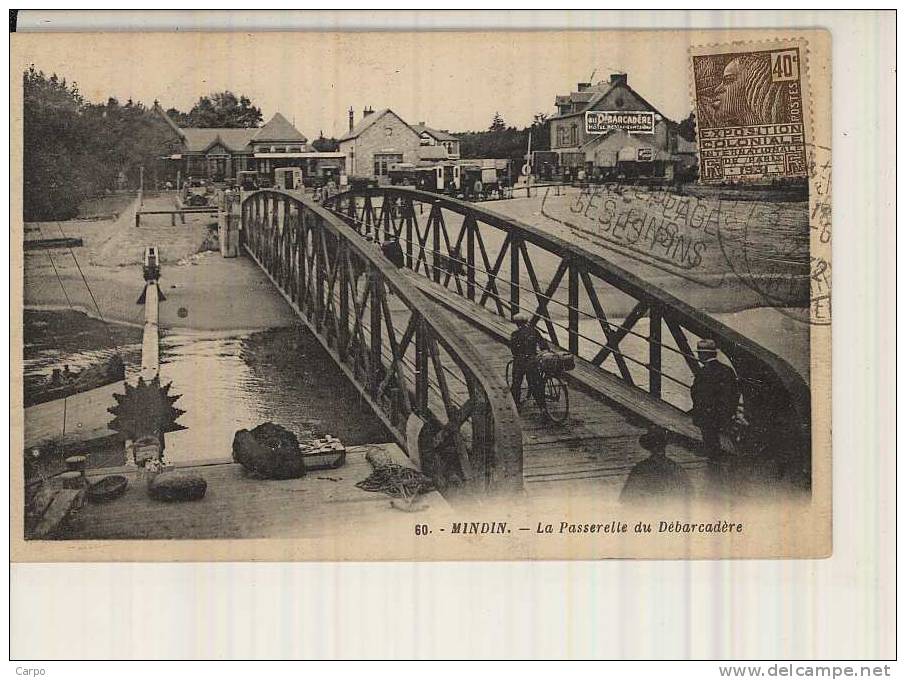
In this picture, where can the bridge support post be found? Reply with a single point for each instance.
(434, 222)
(515, 246)
(343, 324)
(573, 323)
(366, 217)
(421, 369)
(410, 229)
(386, 209)
(320, 266)
(377, 295)
(470, 226)
(654, 351)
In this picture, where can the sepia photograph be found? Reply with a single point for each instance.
(423, 295)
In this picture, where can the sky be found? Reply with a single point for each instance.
(454, 81)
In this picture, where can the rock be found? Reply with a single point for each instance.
(270, 451)
(178, 486)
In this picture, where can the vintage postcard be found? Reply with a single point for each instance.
(421, 296)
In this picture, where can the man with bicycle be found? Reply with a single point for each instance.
(525, 343)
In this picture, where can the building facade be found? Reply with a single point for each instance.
(379, 140)
(431, 137)
(219, 154)
(626, 135)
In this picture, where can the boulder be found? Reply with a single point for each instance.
(178, 486)
(269, 451)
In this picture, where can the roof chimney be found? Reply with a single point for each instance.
(350, 119)
(618, 79)
(581, 87)
(367, 112)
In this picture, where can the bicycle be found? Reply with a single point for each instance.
(556, 391)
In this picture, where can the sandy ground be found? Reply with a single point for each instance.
(204, 290)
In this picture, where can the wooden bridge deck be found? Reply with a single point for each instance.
(598, 446)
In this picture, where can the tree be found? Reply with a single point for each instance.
(325, 144)
(56, 176)
(540, 118)
(179, 117)
(224, 110)
(686, 127)
(74, 150)
(503, 143)
(497, 123)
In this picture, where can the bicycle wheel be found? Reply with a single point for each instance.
(556, 400)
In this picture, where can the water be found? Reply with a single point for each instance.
(228, 381)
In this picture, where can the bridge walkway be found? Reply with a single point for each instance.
(598, 446)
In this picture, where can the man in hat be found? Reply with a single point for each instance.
(393, 251)
(525, 343)
(715, 396)
(657, 477)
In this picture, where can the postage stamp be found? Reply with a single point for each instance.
(752, 123)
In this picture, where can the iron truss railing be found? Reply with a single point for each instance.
(507, 266)
(398, 348)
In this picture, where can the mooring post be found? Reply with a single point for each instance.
(151, 333)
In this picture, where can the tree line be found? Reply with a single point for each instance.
(503, 141)
(75, 149)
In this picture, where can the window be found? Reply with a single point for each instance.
(383, 161)
(566, 136)
(573, 135)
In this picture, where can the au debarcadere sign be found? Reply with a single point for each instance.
(639, 122)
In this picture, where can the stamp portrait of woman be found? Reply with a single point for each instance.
(735, 90)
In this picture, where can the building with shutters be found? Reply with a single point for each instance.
(608, 129)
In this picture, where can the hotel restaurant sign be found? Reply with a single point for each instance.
(633, 122)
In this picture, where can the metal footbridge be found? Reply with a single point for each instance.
(426, 344)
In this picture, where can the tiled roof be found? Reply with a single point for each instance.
(234, 139)
(437, 134)
(198, 140)
(364, 124)
(278, 129)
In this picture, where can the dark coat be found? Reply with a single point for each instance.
(393, 251)
(715, 395)
(525, 342)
